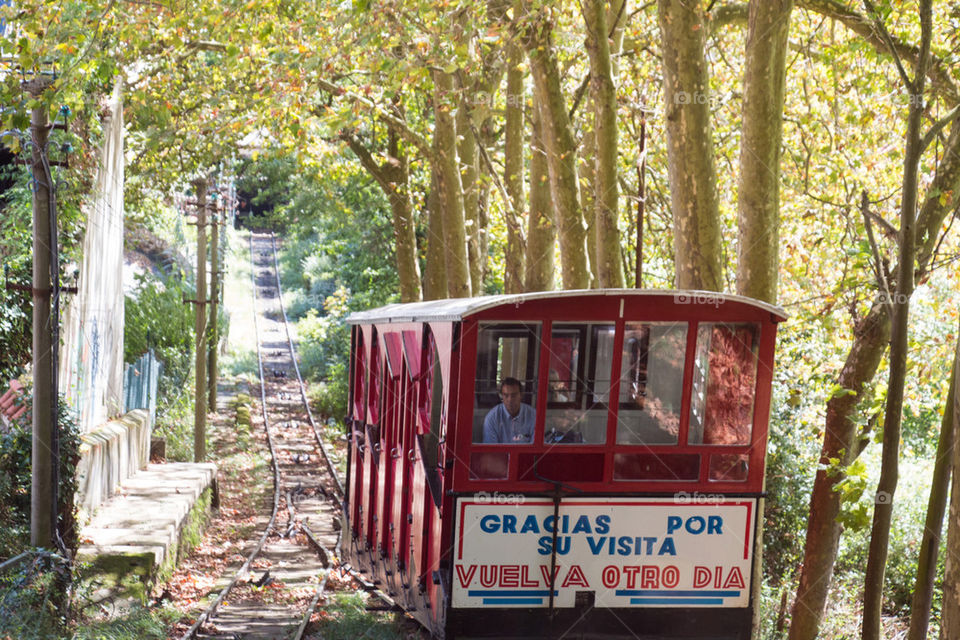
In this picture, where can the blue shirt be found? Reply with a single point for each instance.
(500, 426)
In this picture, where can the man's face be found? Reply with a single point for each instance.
(511, 396)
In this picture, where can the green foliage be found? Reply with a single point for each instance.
(32, 591)
(31, 597)
(347, 618)
(139, 623)
(157, 318)
(15, 481)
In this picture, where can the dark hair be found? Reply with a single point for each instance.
(510, 382)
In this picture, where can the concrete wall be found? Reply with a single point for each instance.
(109, 454)
(91, 359)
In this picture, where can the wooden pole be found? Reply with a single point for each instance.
(200, 328)
(214, 345)
(641, 203)
(42, 489)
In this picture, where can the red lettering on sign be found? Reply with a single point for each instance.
(525, 580)
(717, 575)
(631, 576)
(545, 571)
(575, 578)
(670, 576)
(650, 578)
(735, 579)
(488, 575)
(701, 577)
(610, 576)
(465, 577)
(510, 575)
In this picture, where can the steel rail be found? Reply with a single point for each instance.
(296, 368)
(210, 610)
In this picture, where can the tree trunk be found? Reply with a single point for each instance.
(587, 170)
(513, 273)
(393, 178)
(469, 158)
(561, 154)
(435, 271)
(758, 187)
(839, 444)
(950, 625)
(541, 234)
(930, 546)
(451, 190)
(870, 340)
(899, 346)
(604, 99)
(693, 182)
(758, 195)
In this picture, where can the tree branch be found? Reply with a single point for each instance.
(940, 79)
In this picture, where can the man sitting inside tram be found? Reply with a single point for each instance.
(511, 421)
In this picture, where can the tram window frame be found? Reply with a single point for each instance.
(574, 399)
(487, 397)
(701, 385)
(627, 436)
(584, 406)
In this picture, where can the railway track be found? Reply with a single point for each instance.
(276, 590)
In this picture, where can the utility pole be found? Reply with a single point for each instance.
(200, 387)
(42, 490)
(214, 302)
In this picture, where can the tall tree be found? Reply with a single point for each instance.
(603, 96)
(513, 157)
(446, 157)
(950, 625)
(899, 348)
(392, 174)
(758, 186)
(541, 233)
(690, 150)
(560, 146)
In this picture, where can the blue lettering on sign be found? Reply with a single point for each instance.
(627, 545)
(489, 524)
(530, 525)
(546, 544)
(695, 525)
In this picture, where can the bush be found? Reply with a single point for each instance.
(156, 318)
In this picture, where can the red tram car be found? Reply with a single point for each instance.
(627, 505)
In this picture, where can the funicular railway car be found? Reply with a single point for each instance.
(624, 501)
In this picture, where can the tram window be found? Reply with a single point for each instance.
(729, 467)
(724, 383)
(651, 383)
(505, 351)
(576, 405)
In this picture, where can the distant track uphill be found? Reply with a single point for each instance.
(276, 590)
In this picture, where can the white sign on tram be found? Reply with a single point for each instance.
(630, 552)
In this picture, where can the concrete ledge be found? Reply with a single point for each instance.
(110, 454)
(138, 536)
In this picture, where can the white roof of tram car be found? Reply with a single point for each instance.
(455, 309)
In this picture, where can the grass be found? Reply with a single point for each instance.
(345, 617)
(138, 624)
